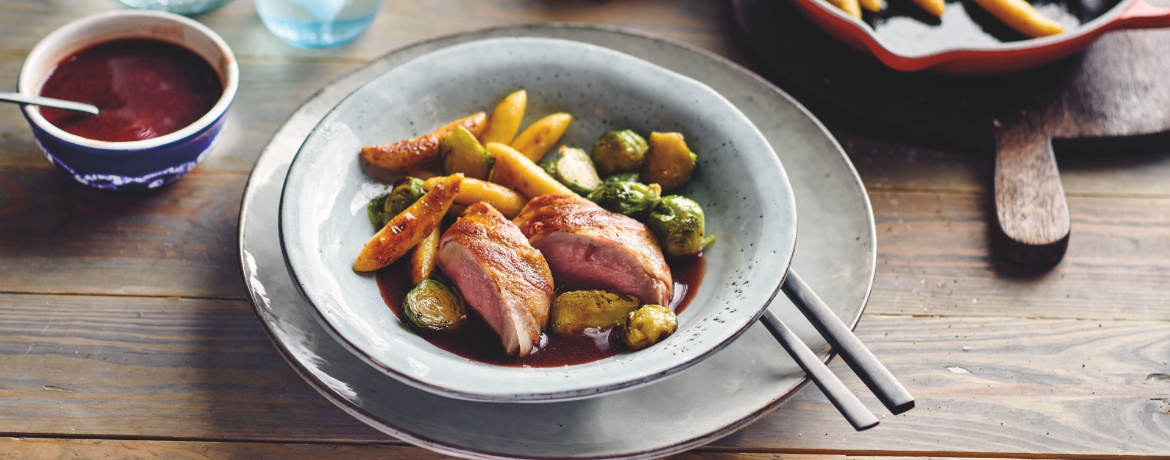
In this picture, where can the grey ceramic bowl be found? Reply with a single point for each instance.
(739, 182)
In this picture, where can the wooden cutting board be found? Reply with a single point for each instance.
(1113, 99)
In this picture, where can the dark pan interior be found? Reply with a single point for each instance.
(905, 27)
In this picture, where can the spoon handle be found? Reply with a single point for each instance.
(844, 400)
(48, 102)
(872, 372)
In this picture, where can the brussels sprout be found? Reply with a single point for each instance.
(573, 168)
(679, 223)
(630, 198)
(620, 150)
(460, 152)
(669, 163)
(376, 211)
(573, 311)
(648, 325)
(406, 191)
(433, 305)
(622, 177)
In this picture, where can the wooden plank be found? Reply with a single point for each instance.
(129, 366)
(891, 166)
(57, 236)
(117, 449)
(933, 260)
(702, 22)
(190, 369)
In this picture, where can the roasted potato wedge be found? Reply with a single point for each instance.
(873, 6)
(934, 7)
(504, 122)
(541, 136)
(852, 7)
(422, 259)
(513, 169)
(1021, 16)
(421, 152)
(409, 227)
(472, 191)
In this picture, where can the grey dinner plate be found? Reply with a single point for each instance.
(835, 254)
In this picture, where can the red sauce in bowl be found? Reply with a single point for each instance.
(476, 340)
(143, 88)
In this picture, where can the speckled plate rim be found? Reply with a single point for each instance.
(321, 102)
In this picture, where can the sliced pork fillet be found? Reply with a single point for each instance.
(500, 275)
(590, 247)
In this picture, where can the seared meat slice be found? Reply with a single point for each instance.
(590, 247)
(500, 275)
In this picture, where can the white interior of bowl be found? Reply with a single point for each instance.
(739, 182)
(91, 30)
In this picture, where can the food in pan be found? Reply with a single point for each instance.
(488, 254)
(1017, 14)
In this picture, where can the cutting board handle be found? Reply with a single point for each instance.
(1031, 214)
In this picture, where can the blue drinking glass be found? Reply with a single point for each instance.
(318, 23)
(177, 6)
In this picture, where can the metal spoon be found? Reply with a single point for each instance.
(48, 102)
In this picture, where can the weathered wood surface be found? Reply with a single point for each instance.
(114, 449)
(202, 369)
(122, 315)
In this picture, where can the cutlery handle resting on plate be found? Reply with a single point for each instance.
(846, 402)
(871, 371)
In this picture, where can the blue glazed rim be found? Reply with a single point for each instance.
(135, 165)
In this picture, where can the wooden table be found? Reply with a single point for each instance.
(125, 333)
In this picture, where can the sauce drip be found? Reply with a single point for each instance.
(476, 341)
(143, 88)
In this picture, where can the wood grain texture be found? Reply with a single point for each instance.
(58, 236)
(116, 449)
(886, 165)
(1031, 215)
(933, 260)
(188, 369)
(700, 22)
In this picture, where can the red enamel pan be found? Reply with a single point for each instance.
(956, 44)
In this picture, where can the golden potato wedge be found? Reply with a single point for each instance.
(409, 227)
(422, 174)
(873, 6)
(935, 7)
(541, 136)
(1021, 16)
(851, 7)
(504, 122)
(513, 169)
(421, 152)
(472, 191)
(422, 259)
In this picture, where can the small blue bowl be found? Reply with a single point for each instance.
(137, 165)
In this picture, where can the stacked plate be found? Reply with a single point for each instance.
(333, 327)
